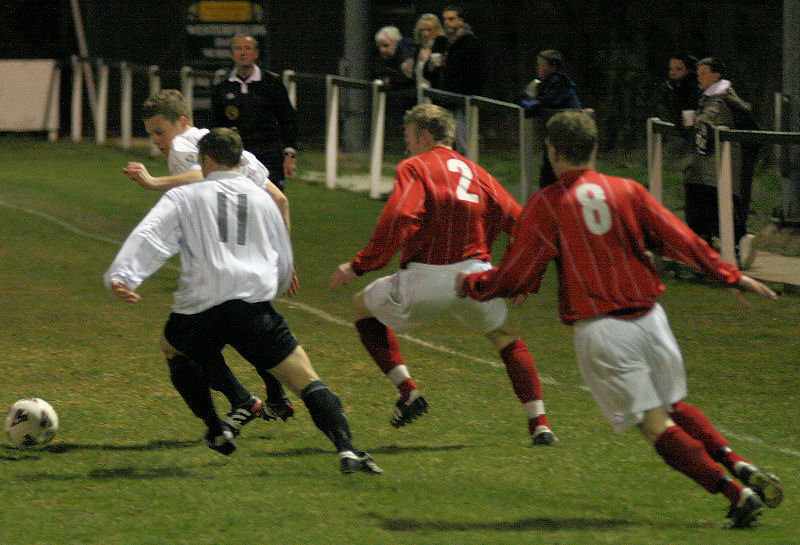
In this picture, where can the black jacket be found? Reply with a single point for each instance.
(264, 117)
(464, 68)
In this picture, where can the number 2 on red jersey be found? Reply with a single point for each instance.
(462, 191)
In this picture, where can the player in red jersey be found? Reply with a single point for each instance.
(598, 229)
(443, 215)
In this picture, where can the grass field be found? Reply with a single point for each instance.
(127, 466)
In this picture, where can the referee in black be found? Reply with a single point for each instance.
(255, 103)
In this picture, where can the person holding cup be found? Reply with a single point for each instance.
(431, 46)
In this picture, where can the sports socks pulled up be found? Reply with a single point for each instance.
(689, 456)
(189, 380)
(696, 424)
(381, 344)
(521, 369)
(328, 415)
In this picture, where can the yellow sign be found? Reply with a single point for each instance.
(228, 11)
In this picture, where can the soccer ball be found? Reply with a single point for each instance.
(31, 423)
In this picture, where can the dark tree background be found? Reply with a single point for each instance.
(615, 51)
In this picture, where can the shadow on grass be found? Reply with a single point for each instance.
(388, 449)
(127, 472)
(399, 449)
(534, 523)
(60, 448)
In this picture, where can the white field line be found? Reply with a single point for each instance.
(339, 321)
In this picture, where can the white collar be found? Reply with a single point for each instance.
(255, 75)
(717, 88)
(223, 175)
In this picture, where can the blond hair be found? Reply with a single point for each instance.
(426, 18)
(434, 119)
(168, 103)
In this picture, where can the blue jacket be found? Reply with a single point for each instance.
(556, 91)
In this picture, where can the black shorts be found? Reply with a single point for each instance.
(255, 330)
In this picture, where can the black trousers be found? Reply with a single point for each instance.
(702, 212)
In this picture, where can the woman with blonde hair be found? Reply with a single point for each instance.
(431, 46)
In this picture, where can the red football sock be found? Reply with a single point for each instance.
(687, 455)
(522, 371)
(694, 422)
(406, 388)
(381, 343)
(537, 421)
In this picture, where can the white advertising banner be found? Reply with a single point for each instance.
(29, 95)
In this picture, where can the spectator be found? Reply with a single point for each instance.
(443, 215)
(396, 61)
(719, 105)
(463, 68)
(680, 92)
(431, 47)
(555, 91)
(256, 104)
(599, 230)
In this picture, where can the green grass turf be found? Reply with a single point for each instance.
(127, 466)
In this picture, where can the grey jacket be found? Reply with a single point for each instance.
(715, 109)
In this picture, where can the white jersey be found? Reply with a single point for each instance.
(232, 240)
(183, 157)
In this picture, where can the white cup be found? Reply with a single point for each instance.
(688, 118)
(436, 60)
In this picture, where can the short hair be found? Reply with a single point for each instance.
(434, 119)
(168, 103)
(391, 33)
(689, 61)
(223, 145)
(714, 64)
(552, 57)
(426, 18)
(573, 134)
(458, 9)
(245, 35)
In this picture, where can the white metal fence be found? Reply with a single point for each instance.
(472, 105)
(723, 137)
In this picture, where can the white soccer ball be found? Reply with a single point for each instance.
(31, 423)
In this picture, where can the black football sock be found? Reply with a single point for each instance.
(327, 413)
(189, 380)
(221, 378)
(275, 391)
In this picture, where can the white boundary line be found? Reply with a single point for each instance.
(338, 321)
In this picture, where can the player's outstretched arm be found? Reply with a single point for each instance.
(343, 274)
(747, 283)
(123, 292)
(139, 174)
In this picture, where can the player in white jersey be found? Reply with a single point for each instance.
(235, 258)
(167, 119)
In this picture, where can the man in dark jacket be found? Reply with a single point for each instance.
(256, 104)
(556, 91)
(463, 67)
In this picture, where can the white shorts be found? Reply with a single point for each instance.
(419, 293)
(630, 366)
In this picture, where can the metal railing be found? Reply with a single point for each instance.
(723, 137)
(472, 106)
(333, 84)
